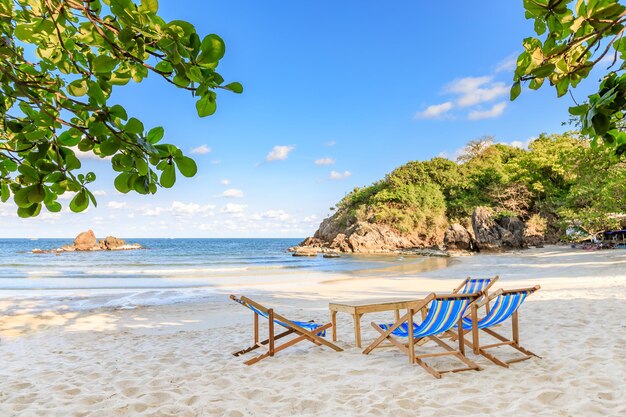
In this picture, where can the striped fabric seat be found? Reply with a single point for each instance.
(442, 315)
(475, 285)
(307, 325)
(503, 308)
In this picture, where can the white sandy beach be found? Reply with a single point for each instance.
(174, 360)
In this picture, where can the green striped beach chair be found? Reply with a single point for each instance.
(505, 306)
(442, 313)
(304, 330)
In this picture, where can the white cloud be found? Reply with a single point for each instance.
(116, 205)
(224, 182)
(180, 209)
(434, 111)
(507, 64)
(99, 193)
(330, 143)
(232, 193)
(325, 161)
(151, 211)
(201, 150)
(231, 208)
(336, 175)
(494, 111)
(475, 90)
(276, 214)
(279, 153)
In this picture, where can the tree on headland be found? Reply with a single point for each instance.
(559, 182)
(572, 38)
(59, 62)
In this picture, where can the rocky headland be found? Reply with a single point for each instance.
(486, 232)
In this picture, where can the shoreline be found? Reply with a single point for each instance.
(165, 360)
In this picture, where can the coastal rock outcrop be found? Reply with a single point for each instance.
(496, 234)
(458, 237)
(86, 241)
(362, 237)
(487, 233)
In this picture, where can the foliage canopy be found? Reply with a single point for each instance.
(560, 179)
(572, 38)
(59, 63)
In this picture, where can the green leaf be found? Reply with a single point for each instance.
(164, 66)
(206, 105)
(109, 147)
(118, 111)
(68, 139)
(186, 166)
(103, 64)
(29, 172)
(600, 123)
(53, 207)
(149, 5)
(4, 192)
(168, 176)
(578, 110)
(213, 49)
(79, 202)
(155, 135)
(77, 88)
(142, 166)
(21, 197)
(516, 89)
(234, 87)
(96, 93)
(134, 126)
(29, 211)
(121, 182)
(36, 194)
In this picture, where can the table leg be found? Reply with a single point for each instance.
(357, 330)
(333, 320)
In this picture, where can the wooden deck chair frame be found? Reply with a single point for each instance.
(485, 290)
(479, 349)
(269, 344)
(409, 347)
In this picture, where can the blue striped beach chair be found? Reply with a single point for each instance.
(474, 285)
(443, 312)
(309, 330)
(506, 304)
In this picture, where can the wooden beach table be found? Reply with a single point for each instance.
(358, 308)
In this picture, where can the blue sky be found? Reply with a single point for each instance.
(361, 87)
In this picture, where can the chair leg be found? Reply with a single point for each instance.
(528, 354)
(285, 345)
(262, 343)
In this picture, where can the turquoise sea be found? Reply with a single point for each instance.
(166, 270)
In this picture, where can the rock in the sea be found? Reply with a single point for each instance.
(305, 251)
(492, 234)
(111, 243)
(458, 237)
(331, 255)
(86, 241)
